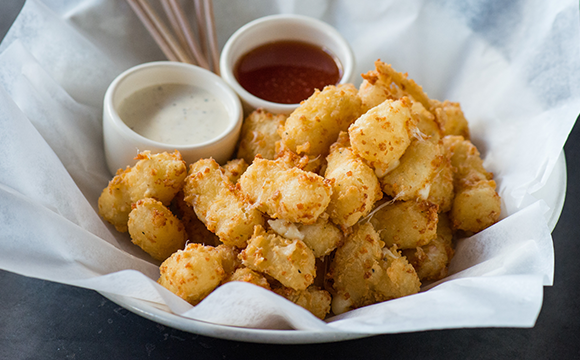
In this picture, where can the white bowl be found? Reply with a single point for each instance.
(275, 28)
(122, 144)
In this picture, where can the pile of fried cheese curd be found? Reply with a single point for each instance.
(355, 198)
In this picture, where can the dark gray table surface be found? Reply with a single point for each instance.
(45, 320)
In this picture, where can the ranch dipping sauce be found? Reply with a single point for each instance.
(176, 114)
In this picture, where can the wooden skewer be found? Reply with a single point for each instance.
(181, 55)
(150, 26)
(175, 25)
(186, 48)
(200, 17)
(189, 37)
(210, 25)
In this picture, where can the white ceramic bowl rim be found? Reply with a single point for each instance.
(231, 102)
(227, 62)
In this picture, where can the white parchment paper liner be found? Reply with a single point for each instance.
(514, 67)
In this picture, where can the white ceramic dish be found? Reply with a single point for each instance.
(553, 193)
(122, 144)
(281, 27)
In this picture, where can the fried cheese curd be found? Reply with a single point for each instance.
(289, 261)
(418, 166)
(218, 204)
(322, 237)
(159, 176)
(194, 272)
(259, 135)
(285, 192)
(431, 261)
(476, 204)
(364, 271)
(316, 123)
(355, 187)
(155, 229)
(382, 134)
(405, 224)
(314, 299)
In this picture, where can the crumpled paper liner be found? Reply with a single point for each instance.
(514, 68)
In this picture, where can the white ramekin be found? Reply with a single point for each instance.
(123, 144)
(275, 28)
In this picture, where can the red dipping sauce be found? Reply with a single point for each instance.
(287, 72)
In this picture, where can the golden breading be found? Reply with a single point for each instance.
(158, 176)
(476, 204)
(315, 124)
(364, 272)
(322, 237)
(192, 273)
(230, 258)
(155, 229)
(476, 207)
(431, 261)
(383, 133)
(115, 202)
(450, 118)
(218, 205)
(466, 159)
(259, 135)
(290, 262)
(234, 168)
(418, 166)
(288, 193)
(196, 230)
(245, 274)
(406, 224)
(313, 299)
(355, 187)
(442, 190)
(426, 122)
(386, 83)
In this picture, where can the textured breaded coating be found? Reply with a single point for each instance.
(476, 204)
(316, 123)
(287, 193)
(383, 133)
(418, 166)
(192, 273)
(364, 272)
(431, 261)
(442, 190)
(217, 204)
(259, 135)
(476, 207)
(290, 262)
(234, 168)
(322, 237)
(406, 224)
(245, 274)
(159, 176)
(115, 202)
(155, 229)
(426, 122)
(196, 230)
(229, 256)
(466, 160)
(313, 299)
(386, 83)
(450, 118)
(355, 187)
